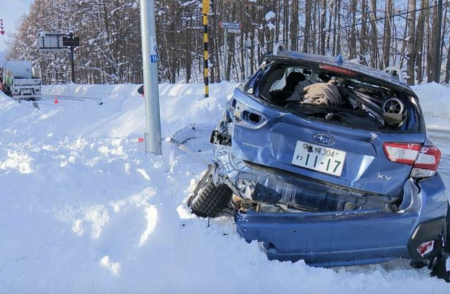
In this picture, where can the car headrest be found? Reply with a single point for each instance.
(295, 77)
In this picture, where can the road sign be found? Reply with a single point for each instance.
(51, 41)
(234, 31)
(153, 50)
(75, 42)
(57, 42)
(231, 25)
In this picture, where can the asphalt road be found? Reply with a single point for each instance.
(441, 138)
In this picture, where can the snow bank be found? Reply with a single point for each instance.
(435, 101)
(84, 210)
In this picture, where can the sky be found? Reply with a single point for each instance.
(10, 12)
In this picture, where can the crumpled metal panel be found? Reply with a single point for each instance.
(345, 238)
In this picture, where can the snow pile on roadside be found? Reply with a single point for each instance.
(84, 210)
(435, 102)
(122, 113)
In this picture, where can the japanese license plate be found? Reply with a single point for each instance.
(319, 158)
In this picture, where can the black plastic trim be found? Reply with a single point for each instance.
(427, 231)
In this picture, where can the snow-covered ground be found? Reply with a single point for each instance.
(435, 102)
(84, 210)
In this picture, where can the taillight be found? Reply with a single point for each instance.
(427, 163)
(425, 160)
(402, 153)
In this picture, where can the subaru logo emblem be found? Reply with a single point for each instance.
(324, 139)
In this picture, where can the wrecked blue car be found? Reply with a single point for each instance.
(328, 161)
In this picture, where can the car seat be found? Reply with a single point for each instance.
(292, 80)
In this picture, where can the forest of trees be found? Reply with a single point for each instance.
(401, 33)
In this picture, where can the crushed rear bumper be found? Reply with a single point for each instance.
(351, 238)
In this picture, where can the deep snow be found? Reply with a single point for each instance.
(84, 210)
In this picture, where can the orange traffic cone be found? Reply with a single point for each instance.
(56, 100)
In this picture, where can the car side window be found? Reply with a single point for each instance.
(272, 78)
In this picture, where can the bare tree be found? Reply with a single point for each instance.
(293, 30)
(419, 41)
(373, 34)
(411, 42)
(307, 30)
(352, 45)
(387, 33)
(323, 22)
(110, 50)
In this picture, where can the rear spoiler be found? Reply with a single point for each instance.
(279, 47)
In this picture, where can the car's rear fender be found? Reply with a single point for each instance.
(434, 199)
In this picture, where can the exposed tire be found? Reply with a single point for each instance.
(440, 265)
(211, 200)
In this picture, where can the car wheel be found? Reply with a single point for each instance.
(211, 199)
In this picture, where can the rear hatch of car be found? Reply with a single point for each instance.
(346, 156)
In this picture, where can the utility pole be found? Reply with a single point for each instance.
(225, 45)
(152, 136)
(437, 69)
